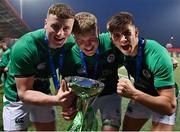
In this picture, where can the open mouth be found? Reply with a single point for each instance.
(59, 39)
(89, 49)
(125, 47)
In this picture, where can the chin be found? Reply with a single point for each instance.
(89, 54)
(54, 46)
(125, 52)
(59, 46)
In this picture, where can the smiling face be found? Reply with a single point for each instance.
(57, 30)
(59, 24)
(127, 40)
(88, 42)
(86, 32)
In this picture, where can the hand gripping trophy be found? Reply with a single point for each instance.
(87, 90)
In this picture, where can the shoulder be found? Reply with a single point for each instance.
(153, 46)
(105, 42)
(73, 52)
(105, 38)
(29, 40)
(37, 34)
(157, 57)
(28, 45)
(155, 50)
(69, 43)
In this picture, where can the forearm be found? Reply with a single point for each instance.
(160, 104)
(64, 97)
(38, 98)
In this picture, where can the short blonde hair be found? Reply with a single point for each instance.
(119, 21)
(84, 22)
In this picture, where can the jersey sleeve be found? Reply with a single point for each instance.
(22, 59)
(161, 65)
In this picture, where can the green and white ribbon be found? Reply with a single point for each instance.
(87, 122)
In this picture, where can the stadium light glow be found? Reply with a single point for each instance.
(21, 9)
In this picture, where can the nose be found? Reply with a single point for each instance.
(60, 32)
(87, 43)
(123, 38)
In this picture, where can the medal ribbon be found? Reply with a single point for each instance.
(85, 66)
(52, 66)
(139, 59)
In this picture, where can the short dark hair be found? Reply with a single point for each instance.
(119, 21)
(61, 10)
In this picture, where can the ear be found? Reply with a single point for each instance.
(45, 23)
(75, 37)
(136, 32)
(98, 31)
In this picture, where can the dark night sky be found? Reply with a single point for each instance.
(156, 19)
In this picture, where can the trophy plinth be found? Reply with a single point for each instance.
(86, 89)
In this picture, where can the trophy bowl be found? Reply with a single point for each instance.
(84, 87)
(87, 90)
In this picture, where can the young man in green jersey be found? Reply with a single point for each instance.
(4, 63)
(95, 57)
(153, 93)
(34, 59)
(3, 48)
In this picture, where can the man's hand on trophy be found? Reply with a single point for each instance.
(65, 96)
(69, 113)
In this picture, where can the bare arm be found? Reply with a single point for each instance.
(165, 103)
(30, 96)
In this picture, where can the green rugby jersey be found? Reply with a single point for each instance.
(29, 57)
(108, 63)
(157, 69)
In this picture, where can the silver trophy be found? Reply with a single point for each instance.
(87, 90)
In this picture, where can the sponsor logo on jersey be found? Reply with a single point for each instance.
(41, 66)
(19, 120)
(111, 58)
(146, 73)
